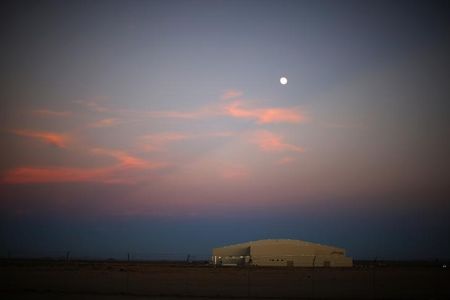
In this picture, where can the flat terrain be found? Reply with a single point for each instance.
(113, 280)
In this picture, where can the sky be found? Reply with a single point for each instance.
(160, 128)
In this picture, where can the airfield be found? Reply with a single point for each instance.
(149, 280)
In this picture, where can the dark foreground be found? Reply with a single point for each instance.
(113, 280)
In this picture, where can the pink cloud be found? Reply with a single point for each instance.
(106, 123)
(234, 109)
(174, 114)
(51, 174)
(55, 139)
(115, 174)
(334, 125)
(204, 112)
(237, 110)
(286, 160)
(265, 115)
(51, 113)
(127, 170)
(158, 142)
(268, 141)
(127, 160)
(230, 94)
(235, 173)
(94, 104)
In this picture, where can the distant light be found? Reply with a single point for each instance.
(283, 80)
(444, 266)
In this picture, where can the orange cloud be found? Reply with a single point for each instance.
(55, 139)
(265, 115)
(230, 94)
(51, 113)
(268, 141)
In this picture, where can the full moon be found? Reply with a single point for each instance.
(283, 80)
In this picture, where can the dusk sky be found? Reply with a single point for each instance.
(161, 126)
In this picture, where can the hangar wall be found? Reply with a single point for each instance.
(281, 252)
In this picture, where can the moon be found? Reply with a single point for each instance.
(283, 80)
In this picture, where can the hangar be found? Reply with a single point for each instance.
(281, 252)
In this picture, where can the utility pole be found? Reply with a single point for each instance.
(312, 276)
(248, 282)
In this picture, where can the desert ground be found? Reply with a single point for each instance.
(142, 280)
